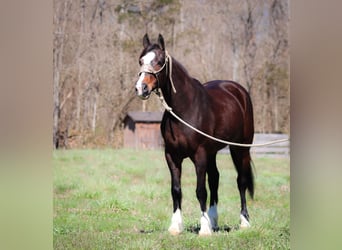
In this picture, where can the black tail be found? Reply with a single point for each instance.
(250, 181)
(243, 165)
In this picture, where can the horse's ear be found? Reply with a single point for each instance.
(161, 42)
(146, 41)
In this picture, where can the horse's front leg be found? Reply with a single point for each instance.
(175, 167)
(213, 180)
(200, 161)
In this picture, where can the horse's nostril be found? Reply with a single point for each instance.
(144, 86)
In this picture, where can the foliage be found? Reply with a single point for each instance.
(120, 199)
(274, 86)
(97, 44)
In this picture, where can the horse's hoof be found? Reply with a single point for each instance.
(244, 222)
(205, 232)
(175, 229)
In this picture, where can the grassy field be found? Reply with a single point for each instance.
(120, 199)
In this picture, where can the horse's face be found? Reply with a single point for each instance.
(151, 61)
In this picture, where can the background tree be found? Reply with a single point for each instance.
(97, 44)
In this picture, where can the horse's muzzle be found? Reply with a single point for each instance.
(142, 91)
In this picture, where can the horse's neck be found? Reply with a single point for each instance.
(186, 89)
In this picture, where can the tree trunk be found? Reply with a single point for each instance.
(80, 67)
(57, 57)
(93, 124)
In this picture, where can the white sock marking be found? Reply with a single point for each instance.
(176, 226)
(206, 228)
(244, 222)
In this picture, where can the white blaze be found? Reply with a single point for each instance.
(138, 85)
(146, 59)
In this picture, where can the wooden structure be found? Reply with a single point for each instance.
(142, 130)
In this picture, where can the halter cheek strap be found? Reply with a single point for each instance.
(147, 68)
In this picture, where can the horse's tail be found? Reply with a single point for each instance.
(244, 165)
(250, 179)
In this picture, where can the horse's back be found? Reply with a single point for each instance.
(233, 100)
(230, 91)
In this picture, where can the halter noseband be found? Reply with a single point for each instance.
(147, 68)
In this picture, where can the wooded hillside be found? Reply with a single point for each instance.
(97, 44)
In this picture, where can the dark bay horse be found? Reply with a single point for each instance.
(219, 108)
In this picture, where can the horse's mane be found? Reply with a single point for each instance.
(185, 71)
(181, 67)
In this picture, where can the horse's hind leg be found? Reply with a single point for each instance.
(213, 180)
(242, 161)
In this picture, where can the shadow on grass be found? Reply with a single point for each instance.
(142, 231)
(195, 229)
(223, 229)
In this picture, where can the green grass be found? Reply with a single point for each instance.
(120, 199)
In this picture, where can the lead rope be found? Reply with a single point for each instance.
(170, 73)
(169, 109)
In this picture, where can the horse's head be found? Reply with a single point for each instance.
(152, 62)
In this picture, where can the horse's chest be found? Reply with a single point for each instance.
(177, 136)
